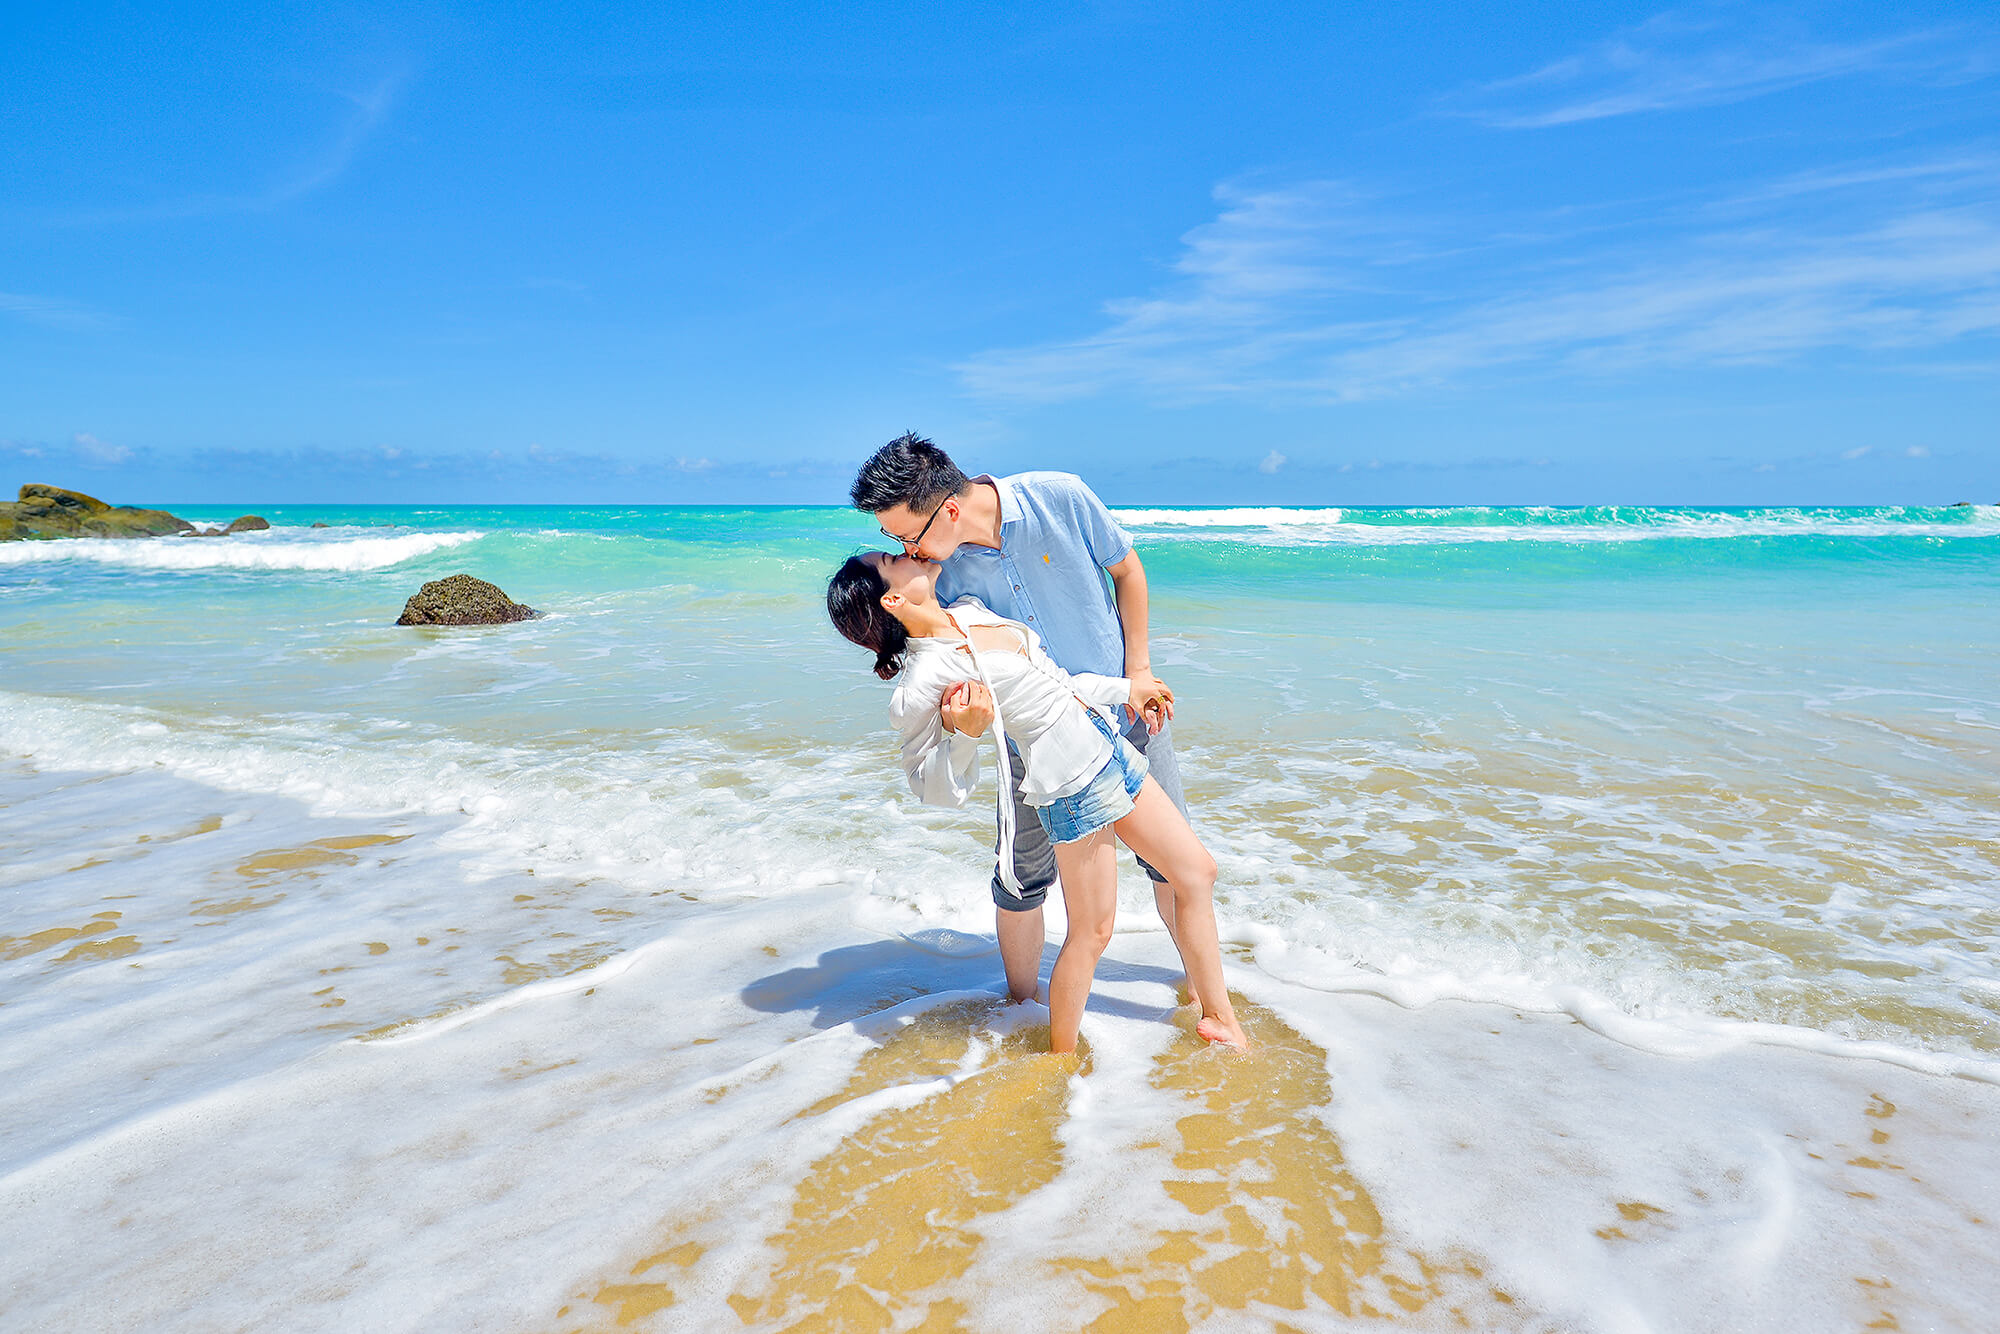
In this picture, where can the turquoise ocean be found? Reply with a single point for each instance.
(1613, 894)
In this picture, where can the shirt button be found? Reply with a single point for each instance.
(1017, 588)
(1031, 618)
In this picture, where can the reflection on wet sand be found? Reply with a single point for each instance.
(884, 1231)
(308, 859)
(560, 964)
(1277, 1222)
(880, 1227)
(20, 947)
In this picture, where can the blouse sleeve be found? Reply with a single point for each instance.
(943, 767)
(1106, 694)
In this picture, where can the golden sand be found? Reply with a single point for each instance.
(275, 863)
(883, 1229)
(20, 947)
(559, 964)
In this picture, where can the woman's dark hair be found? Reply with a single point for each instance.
(854, 605)
(909, 471)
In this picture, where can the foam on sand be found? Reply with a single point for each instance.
(723, 1131)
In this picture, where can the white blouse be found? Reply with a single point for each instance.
(1036, 705)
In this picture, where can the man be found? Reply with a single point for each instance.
(1035, 547)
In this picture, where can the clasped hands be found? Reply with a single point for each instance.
(967, 708)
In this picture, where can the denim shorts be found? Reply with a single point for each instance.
(1105, 799)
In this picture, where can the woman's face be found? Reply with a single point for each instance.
(906, 576)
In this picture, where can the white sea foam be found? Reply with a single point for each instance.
(517, 1159)
(243, 551)
(640, 816)
(541, 1127)
(1333, 527)
(1269, 516)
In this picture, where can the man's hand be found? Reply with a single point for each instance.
(967, 709)
(1150, 699)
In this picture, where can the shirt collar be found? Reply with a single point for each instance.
(1010, 507)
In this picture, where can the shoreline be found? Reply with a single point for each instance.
(655, 1132)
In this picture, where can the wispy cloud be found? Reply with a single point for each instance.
(1677, 61)
(1938, 177)
(1278, 299)
(1922, 280)
(53, 312)
(95, 453)
(364, 113)
(1253, 289)
(53, 462)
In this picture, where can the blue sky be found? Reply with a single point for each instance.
(1197, 252)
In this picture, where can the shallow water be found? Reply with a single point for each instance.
(1595, 880)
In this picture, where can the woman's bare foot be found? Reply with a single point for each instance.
(1228, 1033)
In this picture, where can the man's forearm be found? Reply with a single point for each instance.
(1128, 588)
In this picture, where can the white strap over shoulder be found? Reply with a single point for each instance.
(1005, 801)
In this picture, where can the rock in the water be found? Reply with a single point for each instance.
(461, 600)
(318, 524)
(249, 523)
(211, 532)
(50, 511)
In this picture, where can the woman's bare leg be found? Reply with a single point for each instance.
(1159, 833)
(1089, 872)
(1163, 899)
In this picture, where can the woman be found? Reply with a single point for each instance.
(1083, 779)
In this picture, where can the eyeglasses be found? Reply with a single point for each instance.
(913, 541)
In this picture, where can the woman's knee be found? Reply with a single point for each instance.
(1197, 877)
(1093, 934)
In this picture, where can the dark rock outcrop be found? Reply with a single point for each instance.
(249, 523)
(461, 600)
(49, 511)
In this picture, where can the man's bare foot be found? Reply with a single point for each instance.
(1212, 1029)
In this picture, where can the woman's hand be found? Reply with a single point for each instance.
(1150, 699)
(967, 709)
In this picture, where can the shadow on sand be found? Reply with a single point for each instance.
(846, 983)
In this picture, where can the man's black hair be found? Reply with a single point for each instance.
(909, 471)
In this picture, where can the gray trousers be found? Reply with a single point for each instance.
(1035, 858)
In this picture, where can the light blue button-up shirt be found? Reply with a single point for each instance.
(1056, 538)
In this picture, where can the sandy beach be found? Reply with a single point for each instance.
(547, 977)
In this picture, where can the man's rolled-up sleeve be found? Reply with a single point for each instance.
(1107, 542)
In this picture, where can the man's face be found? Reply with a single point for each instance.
(928, 534)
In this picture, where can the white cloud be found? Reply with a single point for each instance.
(364, 114)
(97, 453)
(1286, 295)
(54, 312)
(1917, 452)
(1271, 462)
(1673, 62)
(1250, 288)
